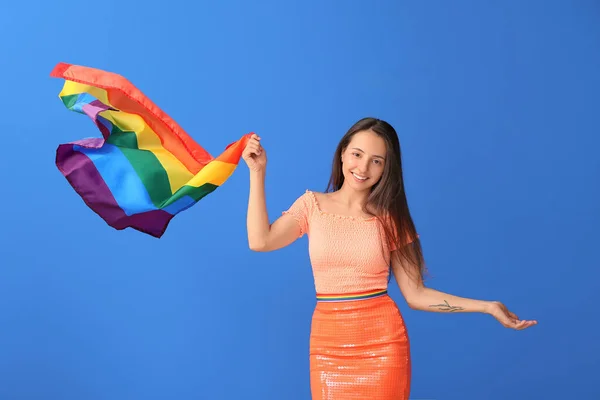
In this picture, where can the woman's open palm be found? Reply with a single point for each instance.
(508, 319)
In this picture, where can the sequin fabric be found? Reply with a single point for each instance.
(359, 349)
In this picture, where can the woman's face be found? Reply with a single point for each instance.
(363, 160)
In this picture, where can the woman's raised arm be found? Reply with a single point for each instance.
(263, 236)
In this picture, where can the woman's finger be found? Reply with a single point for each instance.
(526, 324)
(257, 150)
(254, 148)
(256, 144)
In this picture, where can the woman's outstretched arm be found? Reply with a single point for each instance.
(420, 297)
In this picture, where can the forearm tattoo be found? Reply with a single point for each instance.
(446, 307)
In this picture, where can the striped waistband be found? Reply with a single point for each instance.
(352, 296)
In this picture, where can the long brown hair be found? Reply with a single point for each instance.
(387, 197)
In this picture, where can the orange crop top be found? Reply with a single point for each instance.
(348, 254)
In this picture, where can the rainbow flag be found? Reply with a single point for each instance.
(145, 169)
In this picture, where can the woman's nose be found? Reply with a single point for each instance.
(364, 165)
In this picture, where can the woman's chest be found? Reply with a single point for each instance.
(346, 242)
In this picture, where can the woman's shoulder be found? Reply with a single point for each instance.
(312, 194)
(308, 198)
(317, 199)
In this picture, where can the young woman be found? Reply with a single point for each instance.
(360, 229)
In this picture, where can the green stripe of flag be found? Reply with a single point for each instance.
(145, 163)
(195, 193)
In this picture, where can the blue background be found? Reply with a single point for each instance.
(496, 105)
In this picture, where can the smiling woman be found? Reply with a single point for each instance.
(360, 161)
(360, 230)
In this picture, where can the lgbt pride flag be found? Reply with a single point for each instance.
(145, 169)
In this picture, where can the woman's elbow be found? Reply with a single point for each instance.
(257, 246)
(412, 298)
(412, 304)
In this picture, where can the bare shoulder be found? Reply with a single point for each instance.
(321, 198)
(319, 195)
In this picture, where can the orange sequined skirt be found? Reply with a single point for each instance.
(359, 348)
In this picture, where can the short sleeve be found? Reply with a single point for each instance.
(300, 210)
(408, 240)
(391, 242)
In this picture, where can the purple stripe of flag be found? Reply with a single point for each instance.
(83, 176)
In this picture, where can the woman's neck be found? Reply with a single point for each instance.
(351, 198)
